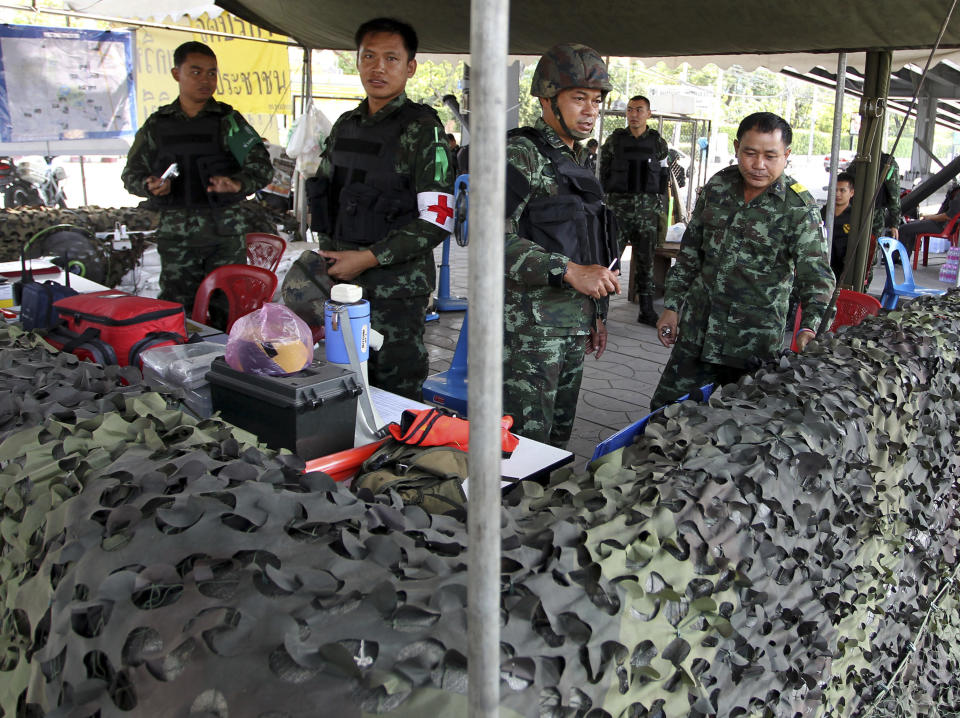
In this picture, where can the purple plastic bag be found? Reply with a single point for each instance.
(271, 341)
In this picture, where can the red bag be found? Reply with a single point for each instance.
(437, 427)
(128, 323)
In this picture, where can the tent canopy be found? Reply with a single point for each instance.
(626, 28)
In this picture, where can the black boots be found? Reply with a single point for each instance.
(647, 314)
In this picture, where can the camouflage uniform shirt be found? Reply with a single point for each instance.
(732, 280)
(888, 213)
(531, 304)
(406, 254)
(256, 171)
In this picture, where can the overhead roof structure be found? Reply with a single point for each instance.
(943, 81)
(624, 28)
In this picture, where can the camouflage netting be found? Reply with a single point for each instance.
(787, 549)
(19, 224)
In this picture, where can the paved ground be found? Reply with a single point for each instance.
(616, 389)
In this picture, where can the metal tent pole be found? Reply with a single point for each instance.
(876, 85)
(489, 29)
(835, 147)
(306, 98)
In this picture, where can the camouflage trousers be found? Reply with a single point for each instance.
(541, 385)
(401, 365)
(191, 245)
(638, 224)
(685, 371)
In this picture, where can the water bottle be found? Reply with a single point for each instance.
(358, 308)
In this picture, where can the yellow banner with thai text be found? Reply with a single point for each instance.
(254, 76)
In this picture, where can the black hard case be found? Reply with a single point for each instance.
(311, 412)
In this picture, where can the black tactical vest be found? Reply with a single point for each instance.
(575, 222)
(194, 144)
(366, 197)
(635, 168)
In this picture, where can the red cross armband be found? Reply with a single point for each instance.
(436, 208)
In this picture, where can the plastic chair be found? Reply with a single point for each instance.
(247, 289)
(449, 388)
(892, 290)
(950, 231)
(265, 250)
(852, 308)
(626, 436)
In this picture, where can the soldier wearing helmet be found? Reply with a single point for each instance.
(561, 252)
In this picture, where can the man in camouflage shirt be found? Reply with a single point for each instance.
(557, 277)
(886, 214)
(633, 170)
(220, 159)
(754, 233)
(382, 199)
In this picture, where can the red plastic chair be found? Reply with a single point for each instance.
(265, 250)
(247, 289)
(852, 308)
(950, 231)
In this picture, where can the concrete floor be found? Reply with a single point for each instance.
(616, 389)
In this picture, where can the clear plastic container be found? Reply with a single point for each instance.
(181, 365)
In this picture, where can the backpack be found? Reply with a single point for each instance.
(429, 477)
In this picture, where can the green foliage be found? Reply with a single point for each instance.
(347, 62)
(529, 105)
(432, 81)
(429, 84)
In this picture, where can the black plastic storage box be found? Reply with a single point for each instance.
(312, 412)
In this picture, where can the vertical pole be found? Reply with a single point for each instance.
(835, 146)
(603, 113)
(872, 106)
(489, 29)
(83, 181)
(306, 99)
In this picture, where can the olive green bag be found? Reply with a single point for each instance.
(429, 477)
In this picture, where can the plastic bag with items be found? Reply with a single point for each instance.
(271, 341)
(306, 140)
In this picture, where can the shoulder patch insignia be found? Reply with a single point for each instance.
(798, 188)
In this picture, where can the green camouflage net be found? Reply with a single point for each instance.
(788, 549)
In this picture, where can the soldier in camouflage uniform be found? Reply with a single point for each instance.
(887, 215)
(382, 199)
(754, 234)
(557, 276)
(633, 170)
(221, 160)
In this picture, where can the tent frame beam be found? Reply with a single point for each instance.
(141, 23)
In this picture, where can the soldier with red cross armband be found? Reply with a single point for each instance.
(382, 199)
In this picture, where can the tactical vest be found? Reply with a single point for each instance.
(195, 146)
(635, 167)
(574, 222)
(367, 197)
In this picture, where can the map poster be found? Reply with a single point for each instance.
(65, 83)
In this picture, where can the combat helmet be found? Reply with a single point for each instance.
(569, 65)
